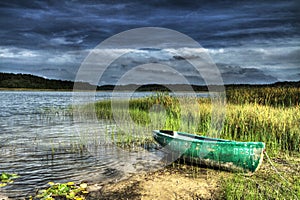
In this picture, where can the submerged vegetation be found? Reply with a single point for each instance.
(266, 114)
(63, 191)
(6, 178)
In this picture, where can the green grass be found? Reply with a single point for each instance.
(278, 127)
(266, 183)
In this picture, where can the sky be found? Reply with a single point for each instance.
(249, 41)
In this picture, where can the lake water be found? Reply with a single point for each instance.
(41, 142)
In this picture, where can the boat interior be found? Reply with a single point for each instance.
(187, 136)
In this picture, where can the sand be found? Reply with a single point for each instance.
(169, 183)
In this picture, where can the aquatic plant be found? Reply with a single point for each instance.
(7, 178)
(68, 190)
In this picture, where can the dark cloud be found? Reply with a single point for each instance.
(93, 21)
(57, 34)
(162, 67)
(239, 75)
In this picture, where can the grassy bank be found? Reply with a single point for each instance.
(270, 115)
(277, 126)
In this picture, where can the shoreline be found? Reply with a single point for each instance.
(32, 89)
(65, 90)
(185, 181)
(180, 182)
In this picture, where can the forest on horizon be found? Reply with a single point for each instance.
(28, 81)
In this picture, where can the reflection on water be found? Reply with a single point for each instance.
(40, 141)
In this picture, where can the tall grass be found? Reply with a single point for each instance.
(270, 115)
(271, 96)
(278, 127)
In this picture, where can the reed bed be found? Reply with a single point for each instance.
(270, 96)
(278, 127)
(266, 114)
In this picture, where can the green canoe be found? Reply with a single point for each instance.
(212, 152)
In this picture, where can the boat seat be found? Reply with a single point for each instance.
(176, 135)
(167, 132)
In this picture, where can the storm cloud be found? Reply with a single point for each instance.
(251, 41)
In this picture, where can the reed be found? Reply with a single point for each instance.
(271, 96)
(266, 114)
(278, 127)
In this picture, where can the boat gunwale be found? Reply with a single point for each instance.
(230, 165)
(206, 139)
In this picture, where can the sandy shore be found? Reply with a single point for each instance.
(169, 183)
(2, 197)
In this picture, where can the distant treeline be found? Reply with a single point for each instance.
(28, 81)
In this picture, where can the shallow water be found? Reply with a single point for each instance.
(41, 142)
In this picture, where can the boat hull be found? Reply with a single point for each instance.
(211, 152)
